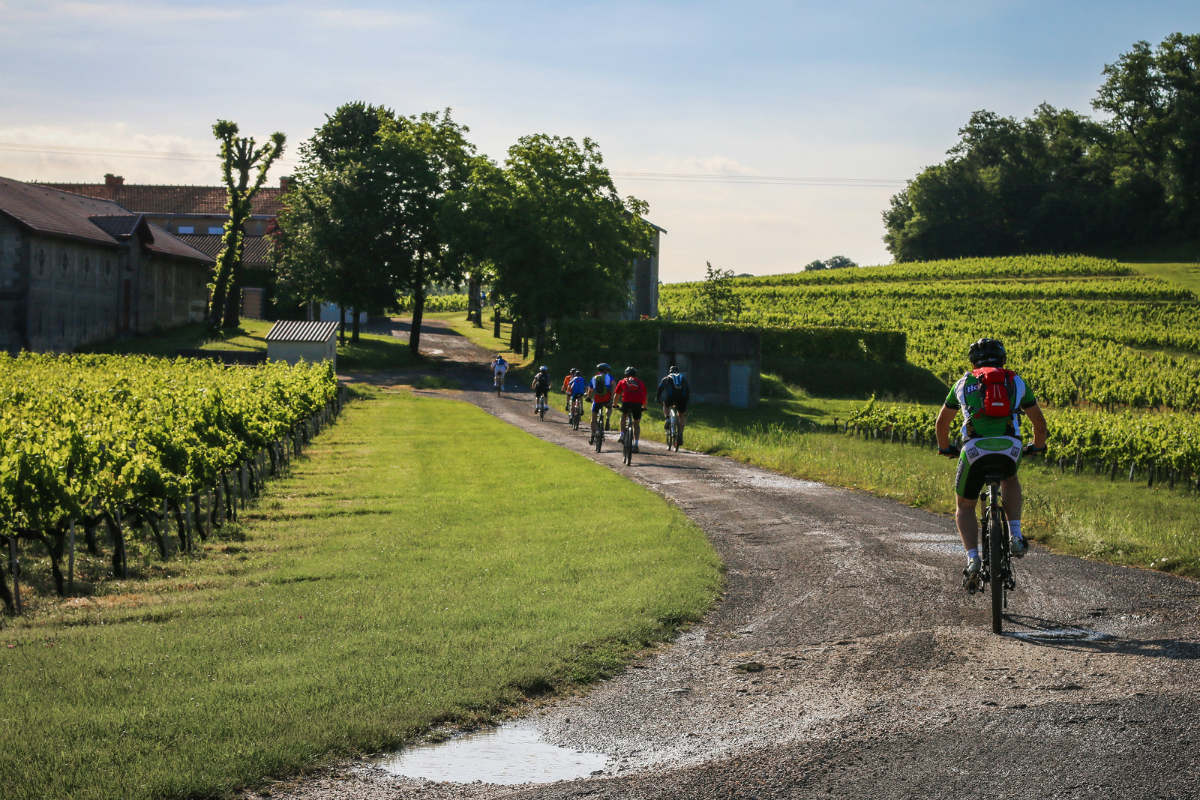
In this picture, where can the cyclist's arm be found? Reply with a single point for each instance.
(1038, 420)
(942, 426)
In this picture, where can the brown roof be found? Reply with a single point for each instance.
(56, 213)
(148, 199)
(287, 330)
(256, 250)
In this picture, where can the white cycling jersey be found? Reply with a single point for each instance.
(499, 367)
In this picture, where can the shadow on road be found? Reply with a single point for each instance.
(1065, 636)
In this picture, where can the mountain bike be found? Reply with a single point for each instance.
(540, 405)
(997, 570)
(599, 424)
(498, 380)
(674, 429)
(576, 412)
(627, 439)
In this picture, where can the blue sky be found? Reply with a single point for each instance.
(860, 94)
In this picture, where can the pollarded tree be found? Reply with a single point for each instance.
(239, 157)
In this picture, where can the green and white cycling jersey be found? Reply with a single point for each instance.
(967, 396)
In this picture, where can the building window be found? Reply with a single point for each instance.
(215, 229)
(186, 229)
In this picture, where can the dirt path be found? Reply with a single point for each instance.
(880, 677)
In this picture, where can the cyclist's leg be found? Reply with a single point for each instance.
(637, 425)
(967, 485)
(666, 416)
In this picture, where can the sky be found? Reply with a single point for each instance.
(763, 135)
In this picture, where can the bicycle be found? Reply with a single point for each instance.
(599, 425)
(674, 430)
(542, 405)
(576, 407)
(498, 380)
(997, 571)
(627, 439)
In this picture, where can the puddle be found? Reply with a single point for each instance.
(506, 755)
(1061, 635)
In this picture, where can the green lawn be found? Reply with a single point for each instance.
(372, 352)
(1185, 274)
(396, 580)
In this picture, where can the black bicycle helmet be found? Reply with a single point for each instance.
(987, 353)
(603, 367)
(671, 370)
(630, 371)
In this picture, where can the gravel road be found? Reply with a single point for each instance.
(845, 660)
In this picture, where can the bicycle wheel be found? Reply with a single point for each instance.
(627, 443)
(598, 434)
(995, 535)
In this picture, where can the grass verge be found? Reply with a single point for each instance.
(372, 351)
(394, 581)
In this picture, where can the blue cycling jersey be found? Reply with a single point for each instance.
(578, 385)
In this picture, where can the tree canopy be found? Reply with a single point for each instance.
(1059, 181)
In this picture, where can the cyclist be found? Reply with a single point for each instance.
(673, 390)
(991, 443)
(575, 390)
(632, 394)
(499, 370)
(600, 392)
(566, 387)
(541, 388)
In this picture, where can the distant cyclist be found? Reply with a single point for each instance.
(600, 390)
(991, 399)
(499, 370)
(631, 392)
(673, 390)
(566, 387)
(541, 388)
(576, 389)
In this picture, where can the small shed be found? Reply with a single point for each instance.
(722, 366)
(293, 341)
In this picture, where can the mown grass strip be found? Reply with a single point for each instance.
(424, 564)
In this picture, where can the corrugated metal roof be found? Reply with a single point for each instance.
(287, 330)
(256, 250)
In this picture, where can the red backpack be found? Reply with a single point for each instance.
(998, 389)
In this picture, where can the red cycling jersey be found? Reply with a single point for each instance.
(631, 390)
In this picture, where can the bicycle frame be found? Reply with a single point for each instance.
(997, 564)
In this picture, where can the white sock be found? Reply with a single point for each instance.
(1014, 527)
(972, 553)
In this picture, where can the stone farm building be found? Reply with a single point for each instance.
(76, 270)
(197, 215)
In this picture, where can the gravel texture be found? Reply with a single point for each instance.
(845, 660)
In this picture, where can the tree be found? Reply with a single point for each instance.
(839, 262)
(560, 237)
(718, 298)
(1154, 99)
(238, 157)
(814, 265)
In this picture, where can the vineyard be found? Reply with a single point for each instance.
(94, 443)
(1115, 354)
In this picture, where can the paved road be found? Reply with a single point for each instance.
(880, 675)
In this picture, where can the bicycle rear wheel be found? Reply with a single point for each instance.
(995, 534)
(627, 444)
(598, 434)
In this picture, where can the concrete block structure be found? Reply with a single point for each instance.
(722, 366)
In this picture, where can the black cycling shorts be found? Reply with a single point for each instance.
(632, 409)
(679, 404)
(968, 480)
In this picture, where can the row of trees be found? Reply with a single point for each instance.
(384, 206)
(1059, 181)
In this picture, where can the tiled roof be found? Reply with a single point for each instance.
(256, 250)
(55, 213)
(148, 199)
(287, 330)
